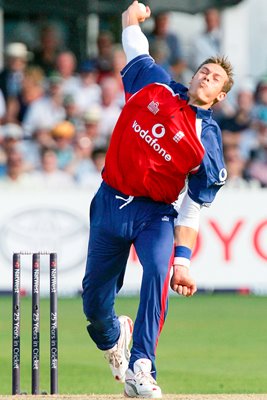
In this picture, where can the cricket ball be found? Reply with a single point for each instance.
(142, 9)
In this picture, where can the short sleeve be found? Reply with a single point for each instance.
(142, 71)
(211, 175)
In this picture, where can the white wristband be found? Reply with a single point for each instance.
(181, 261)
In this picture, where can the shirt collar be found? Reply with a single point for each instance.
(202, 113)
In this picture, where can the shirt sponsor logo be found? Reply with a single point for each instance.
(222, 174)
(158, 131)
(222, 177)
(153, 107)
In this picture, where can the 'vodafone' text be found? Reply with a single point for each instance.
(152, 141)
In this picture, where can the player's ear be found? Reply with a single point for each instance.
(221, 96)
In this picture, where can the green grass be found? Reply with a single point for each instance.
(210, 344)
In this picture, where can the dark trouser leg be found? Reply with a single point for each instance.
(106, 262)
(154, 247)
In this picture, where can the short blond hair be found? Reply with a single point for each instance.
(226, 65)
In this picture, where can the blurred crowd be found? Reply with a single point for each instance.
(57, 115)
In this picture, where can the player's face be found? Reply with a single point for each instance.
(207, 85)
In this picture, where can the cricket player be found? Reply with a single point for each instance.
(165, 140)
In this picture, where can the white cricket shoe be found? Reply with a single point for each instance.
(140, 383)
(118, 357)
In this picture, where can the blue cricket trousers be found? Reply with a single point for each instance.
(117, 222)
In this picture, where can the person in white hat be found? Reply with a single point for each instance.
(17, 50)
(17, 57)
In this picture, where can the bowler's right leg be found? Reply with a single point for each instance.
(103, 278)
(105, 268)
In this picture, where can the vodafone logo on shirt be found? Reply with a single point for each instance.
(157, 131)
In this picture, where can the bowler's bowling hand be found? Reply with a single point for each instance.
(135, 14)
(181, 281)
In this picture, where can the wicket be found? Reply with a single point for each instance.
(35, 323)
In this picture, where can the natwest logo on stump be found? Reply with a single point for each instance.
(157, 131)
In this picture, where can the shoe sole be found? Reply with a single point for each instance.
(140, 397)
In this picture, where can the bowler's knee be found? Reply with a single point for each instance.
(100, 324)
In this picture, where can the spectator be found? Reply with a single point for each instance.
(93, 174)
(223, 110)
(257, 168)
(10, 138)
(236, 170)
(63, 133)
(160, 52)
(100, 119)
(91, 120)
(50, 43)
(11, 77)
(237, 128)
(66, 66)
(13, 138)
(12, 135)
(89, 92)
(104, 59)
(166, 46)
(32, 90)
(208, 43)
(15, 170)
(32, 148)
(110, 109)
(49, 175)
(82, 163)
(118, 63)
(46, 111)
(72, 113)
(98, 157)
(260, 110)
